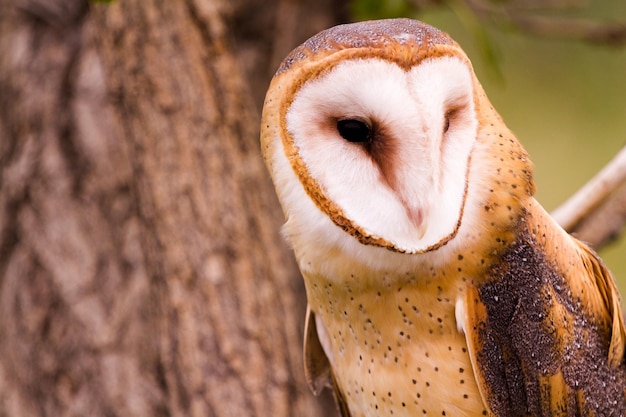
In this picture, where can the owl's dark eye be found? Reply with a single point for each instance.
(450, 116)
(355, 131)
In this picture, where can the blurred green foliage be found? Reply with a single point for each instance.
(565, 100)
(376, 9)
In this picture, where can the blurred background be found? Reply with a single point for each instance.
(565, 99)
(142, 272)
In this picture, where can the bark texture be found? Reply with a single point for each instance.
(141, 268)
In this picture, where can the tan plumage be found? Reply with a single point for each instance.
(437, 285)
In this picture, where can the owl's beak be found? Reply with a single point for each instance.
(416, 215)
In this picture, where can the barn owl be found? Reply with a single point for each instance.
(436, 284)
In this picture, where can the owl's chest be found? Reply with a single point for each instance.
(396, 349)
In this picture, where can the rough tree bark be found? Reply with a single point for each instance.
(141, 269)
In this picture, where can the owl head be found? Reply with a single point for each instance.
(369, 131)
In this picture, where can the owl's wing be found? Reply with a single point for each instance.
(609, 305)
(317, 369)
(545, 344)
(316, 365)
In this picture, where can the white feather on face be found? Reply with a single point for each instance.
(407, 186)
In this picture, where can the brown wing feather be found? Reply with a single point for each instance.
(316, 365)
(340, 400)
(546, 336)
(317, 369)
(610, 305)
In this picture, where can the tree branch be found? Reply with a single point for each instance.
(613, 33)
(597, 212)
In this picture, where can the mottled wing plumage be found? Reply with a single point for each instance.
(546, 333)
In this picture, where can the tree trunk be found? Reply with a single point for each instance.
(141, 268)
